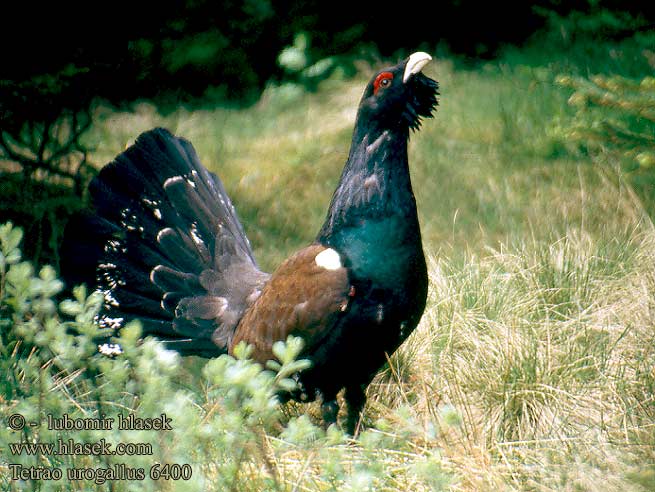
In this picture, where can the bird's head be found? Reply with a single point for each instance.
(399, 96)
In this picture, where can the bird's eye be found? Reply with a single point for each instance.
(382, 81)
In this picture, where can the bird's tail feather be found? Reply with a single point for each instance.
(162, 225)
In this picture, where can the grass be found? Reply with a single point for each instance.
(534, 364)
(547, 353)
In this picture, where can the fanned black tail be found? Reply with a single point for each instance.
(164, 245)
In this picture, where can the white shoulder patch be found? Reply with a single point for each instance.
(328, 259)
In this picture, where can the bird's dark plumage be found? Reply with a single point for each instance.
(164, 245)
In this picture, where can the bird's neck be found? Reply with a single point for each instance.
(375, 182)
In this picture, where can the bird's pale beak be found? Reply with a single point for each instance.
(415, 64)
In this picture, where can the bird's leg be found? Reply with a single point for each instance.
(355, 399)
(330, 409)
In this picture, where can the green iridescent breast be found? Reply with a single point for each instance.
(382, 251)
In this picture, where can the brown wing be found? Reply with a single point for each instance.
(302, 298)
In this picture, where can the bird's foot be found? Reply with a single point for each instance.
(355, 400)
(330, 410)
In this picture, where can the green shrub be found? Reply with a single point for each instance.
(616, 115)
(225, 432)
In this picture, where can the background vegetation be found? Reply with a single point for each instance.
(534, 366)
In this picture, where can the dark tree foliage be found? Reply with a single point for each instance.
(128, 50)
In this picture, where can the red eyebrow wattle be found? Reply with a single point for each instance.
(379, 79)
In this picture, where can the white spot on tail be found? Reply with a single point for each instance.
(153, 205)
(114, 246)
(153, 272)
(172, 180)
(108, 296)
(195, 235)
(191, 181)
(109, 323)
(163, 232)
(110, 349)
(379, 315)
(328, 259)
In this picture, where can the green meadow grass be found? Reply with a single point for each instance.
(534, 365)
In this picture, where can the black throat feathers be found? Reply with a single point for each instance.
(375, 182)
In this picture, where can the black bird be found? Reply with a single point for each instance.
(164, 245)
